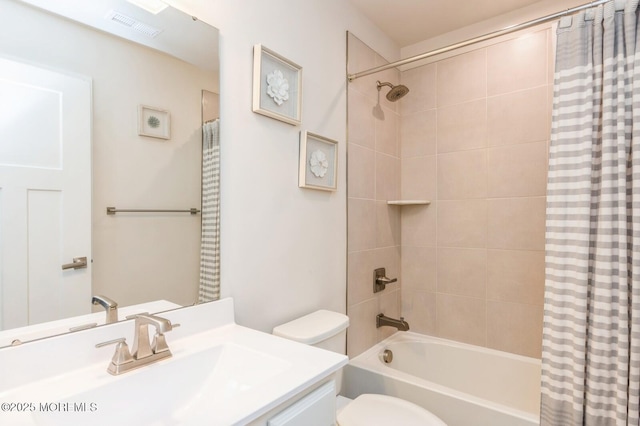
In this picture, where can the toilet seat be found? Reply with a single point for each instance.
(384, 410)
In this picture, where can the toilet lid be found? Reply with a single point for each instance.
(383, 410)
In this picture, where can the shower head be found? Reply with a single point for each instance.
(396, 92)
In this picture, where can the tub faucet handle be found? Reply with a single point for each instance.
(380, 280)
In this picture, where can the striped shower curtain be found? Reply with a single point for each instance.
(210, 245)
(591, 337)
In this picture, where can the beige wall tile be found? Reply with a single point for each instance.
(517, 64)
(516, 276)
(519, 117)
(462, 78)
(462, 175)
(514, 327)
(388, 133)
(462, 223)
(388, 225)
(419, 310)
(516, 223)
(421, 83)
(463, 126)
(361, 223)
(360, 272)
(361, 122)
(551, 56)
(418, 178)
(387, 177)
(418, 134)
(388, 304)
(361, 57)
(462, 272)
(362, 332)
(550, 89)
(462, 319)
(419, 268)
(518, 170)
(418, 225)
(362, 172)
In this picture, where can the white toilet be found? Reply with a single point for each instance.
(327, 330)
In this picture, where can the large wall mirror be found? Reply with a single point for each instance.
(103, 103)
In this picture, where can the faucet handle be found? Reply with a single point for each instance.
(121, 355)
(111, 342)
(159, 343)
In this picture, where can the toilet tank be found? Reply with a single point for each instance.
(323, 329)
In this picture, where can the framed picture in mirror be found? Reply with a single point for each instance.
(154, 122)
(277, 86)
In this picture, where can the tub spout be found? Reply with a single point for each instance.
(382, 320)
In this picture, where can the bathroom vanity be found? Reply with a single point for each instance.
(219, 373)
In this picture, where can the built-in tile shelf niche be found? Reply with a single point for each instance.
(408, 202)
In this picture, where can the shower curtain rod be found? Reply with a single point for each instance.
(507, 30)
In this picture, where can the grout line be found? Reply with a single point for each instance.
(436, 327)
(486, 223)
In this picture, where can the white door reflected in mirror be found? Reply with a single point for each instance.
(45, 194)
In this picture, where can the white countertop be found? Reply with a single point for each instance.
(224, 374)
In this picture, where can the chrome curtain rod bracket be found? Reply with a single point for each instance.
(113, 211)
(488, 36)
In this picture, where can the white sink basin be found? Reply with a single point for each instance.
(175, 391)
(220, 374)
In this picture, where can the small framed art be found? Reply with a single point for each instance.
(154, 122)
(318, 165)
(277, 86)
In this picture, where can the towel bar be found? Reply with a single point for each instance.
(113, 210)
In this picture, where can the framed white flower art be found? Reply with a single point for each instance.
(318, 166)
(277, 86)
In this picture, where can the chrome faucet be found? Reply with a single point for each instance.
(382, 320)
(110, 307)
(144, 351)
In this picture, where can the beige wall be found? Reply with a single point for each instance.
(473, 138)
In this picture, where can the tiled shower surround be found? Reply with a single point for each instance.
(472, 137)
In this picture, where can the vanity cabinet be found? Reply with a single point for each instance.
(315, 406)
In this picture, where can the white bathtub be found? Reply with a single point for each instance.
(462, 384)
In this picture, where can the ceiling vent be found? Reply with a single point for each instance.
(133, 23)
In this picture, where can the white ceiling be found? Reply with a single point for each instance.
(410, 21)
(191, 40)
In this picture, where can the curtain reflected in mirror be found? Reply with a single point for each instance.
(210, 241)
